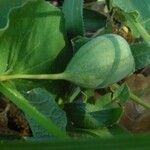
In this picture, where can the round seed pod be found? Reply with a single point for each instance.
(101, 62)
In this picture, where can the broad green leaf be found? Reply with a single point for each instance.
(141, 53)
(5, 8)
(45, 103)
(34, 40)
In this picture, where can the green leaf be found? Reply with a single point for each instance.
(113, 131)
(34, 40)
(104, 101)
(93, 20)
(90, 116)
(118, 131)
(9, 90)
(141, 53)
(5, 8)
(73, 12)
(45, 103)
(90, 133)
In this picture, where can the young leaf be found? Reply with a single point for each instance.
(90, 116)
(45, 103)
(141, 54)
(104, 101)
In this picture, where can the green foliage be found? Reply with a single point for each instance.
(73, 12)
(29, 44)
(102, 133)
(93, 20)
(11, 93)
(122, 94)
(6, 7)
(141, 53)
(35, 44)
(136, 15)
(45, 103)
(88, 116)
(125, 143)
(140, 9)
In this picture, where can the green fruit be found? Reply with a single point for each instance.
(100, 62)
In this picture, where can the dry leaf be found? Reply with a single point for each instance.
(136, 118)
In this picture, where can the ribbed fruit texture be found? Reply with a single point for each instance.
(101, 62)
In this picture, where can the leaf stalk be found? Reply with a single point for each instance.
(135, 98)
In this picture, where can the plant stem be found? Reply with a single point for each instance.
(135, 98)
(144, 34)
(139, 101)
(75, 94)
(58, 76)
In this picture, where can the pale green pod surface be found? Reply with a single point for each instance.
(101, 62)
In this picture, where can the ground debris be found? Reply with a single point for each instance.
(12, 120)
(136, 118)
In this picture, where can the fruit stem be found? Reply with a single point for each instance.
(58, 76)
